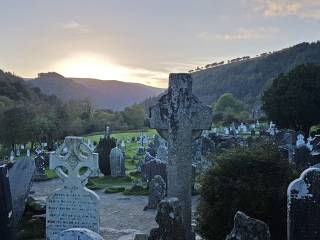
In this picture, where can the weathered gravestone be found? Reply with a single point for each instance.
(117, 163)
(304, 206)
(152, 168)
(20, 177)
(180, 118)
(151, 149)
(78, 234)
(300, 141)
(302, 158)
(157, 192)
(148, 157)
(15, 184)
(247, 228)
(72, 205)
(40, 172)
(170, 220)
(6, 220)
(162, 152)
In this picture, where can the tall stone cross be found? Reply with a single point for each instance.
(179, 117)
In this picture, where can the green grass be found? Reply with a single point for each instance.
(108, 182)
(121, 135)
(51, 174)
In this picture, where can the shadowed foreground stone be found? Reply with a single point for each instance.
(157, 192)
(169, 219)
(304, 206)
(246, 228)
(78, 234)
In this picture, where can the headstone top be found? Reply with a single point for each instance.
(304, 205)
(73, 155)
(77, 234)
(300, 141)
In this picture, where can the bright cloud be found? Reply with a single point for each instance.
(306, 9)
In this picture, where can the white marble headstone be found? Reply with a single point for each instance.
(78, 234)
(72, 205)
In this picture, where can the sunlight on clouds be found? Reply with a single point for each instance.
(305, 9)
(88, 65)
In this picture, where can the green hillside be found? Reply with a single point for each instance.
(246, 79)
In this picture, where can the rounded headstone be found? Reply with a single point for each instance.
(77, 234)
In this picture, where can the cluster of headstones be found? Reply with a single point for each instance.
(17, 152)
(302, 153)
(246, 129)
(154, 170)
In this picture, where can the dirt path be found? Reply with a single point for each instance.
(120, 215)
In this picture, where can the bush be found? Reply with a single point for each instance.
(251, 180)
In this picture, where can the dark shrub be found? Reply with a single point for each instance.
(251, 180)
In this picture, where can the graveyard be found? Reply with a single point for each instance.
(163, 181)
(160, 120)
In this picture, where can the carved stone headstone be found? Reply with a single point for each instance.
(247, 228)
(152, 168)
(148, 157)
(40, 172)
(304, 206)
(157, 192)
(72, 205)
(170, 221)
(117, 163)
(302, 158)
(162, 152)
(78, 234)
(300, 141)
(180, 118)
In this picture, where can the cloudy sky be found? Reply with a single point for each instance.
(144, 40)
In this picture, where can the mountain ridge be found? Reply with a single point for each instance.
(247, 78)
(104, 94)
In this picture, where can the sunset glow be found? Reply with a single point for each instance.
(91, 66)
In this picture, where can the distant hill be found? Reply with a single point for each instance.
(14, 90)
(247, 78)
(104, 94)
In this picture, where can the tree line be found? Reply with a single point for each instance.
(29, 116)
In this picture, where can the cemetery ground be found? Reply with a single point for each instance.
(121, 205)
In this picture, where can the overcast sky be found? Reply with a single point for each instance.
(144, 40)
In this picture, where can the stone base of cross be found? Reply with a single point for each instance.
(179, 117)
